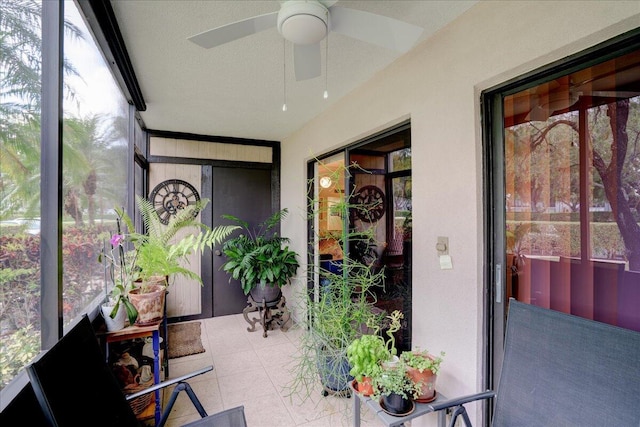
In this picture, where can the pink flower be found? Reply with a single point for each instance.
(117, 239)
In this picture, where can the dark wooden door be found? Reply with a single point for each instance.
(246, 194)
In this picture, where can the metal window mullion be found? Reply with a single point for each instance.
(51, 315)
(131, 161)
(585, 186)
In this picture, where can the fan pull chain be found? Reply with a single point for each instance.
(284, 75)
(326, 61)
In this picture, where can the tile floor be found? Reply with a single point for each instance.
(253, 371)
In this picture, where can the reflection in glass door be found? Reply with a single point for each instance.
(375, 183)
(572, 193)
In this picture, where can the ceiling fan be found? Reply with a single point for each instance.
(307, 22)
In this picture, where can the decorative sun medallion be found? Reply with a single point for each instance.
(171, 196)
(369, 203)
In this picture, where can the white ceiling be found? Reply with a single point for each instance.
(236, 89)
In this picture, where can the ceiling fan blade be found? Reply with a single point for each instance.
(375, 29)
(306, 61)
(234, 31)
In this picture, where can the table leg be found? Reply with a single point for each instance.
(156, 373)
(356, 409)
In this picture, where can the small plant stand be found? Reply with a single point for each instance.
(271, 315)
(131, 332)
(392, 420)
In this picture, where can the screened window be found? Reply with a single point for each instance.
(95, 133)
(20, 101)
(93, 174)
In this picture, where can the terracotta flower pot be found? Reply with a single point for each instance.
(363, 387)
(427, 379)
(150, 305)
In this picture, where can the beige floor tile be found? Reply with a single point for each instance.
(243, 386)
(267, 411)
(276, 354)
(228, 344)
(207, 392)
(183, 366)
(223, 322)
(234, 363)
(255, 372)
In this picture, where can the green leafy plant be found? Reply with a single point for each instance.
(16, 351)
(422, 360)
(365, 354)
(259, 256)
(156, 253)
(395, 380)
(336, 316)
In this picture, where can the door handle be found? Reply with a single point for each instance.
(498, 283)
(217, 252)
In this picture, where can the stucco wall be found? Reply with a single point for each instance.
(437, 86)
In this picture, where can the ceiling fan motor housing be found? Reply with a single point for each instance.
(303, 22)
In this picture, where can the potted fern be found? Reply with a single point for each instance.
(159, 254)
(259, 258)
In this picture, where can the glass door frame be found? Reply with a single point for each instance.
(313, 252)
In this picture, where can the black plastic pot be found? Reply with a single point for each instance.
(396, 404)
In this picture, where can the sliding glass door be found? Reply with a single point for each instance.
(563, 169)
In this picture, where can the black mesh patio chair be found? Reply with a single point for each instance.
(562, 370)
(75, 387)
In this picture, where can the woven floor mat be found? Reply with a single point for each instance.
(184, 339)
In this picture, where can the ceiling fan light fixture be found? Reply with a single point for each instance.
(303, 22)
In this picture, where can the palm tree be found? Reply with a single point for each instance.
(20, 89)
(90, 146)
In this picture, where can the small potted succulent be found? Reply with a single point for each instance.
(423, 368)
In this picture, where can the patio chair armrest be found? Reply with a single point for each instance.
(449, 403)
(458, 408)
(172, 381)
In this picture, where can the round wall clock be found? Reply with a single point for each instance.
(171, 196)
(370, 205)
